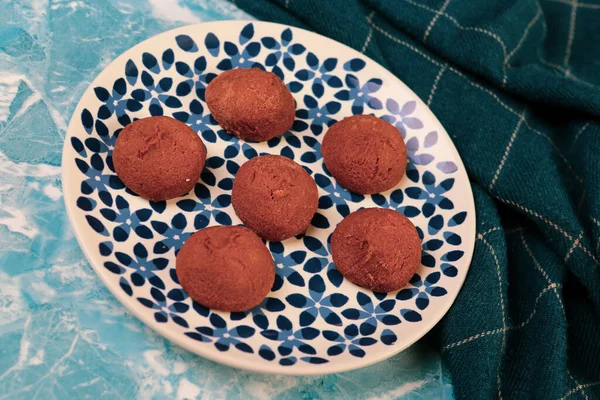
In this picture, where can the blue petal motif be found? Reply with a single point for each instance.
(388, 337)
(457, 219)
(186, 43)
(410, 315)
(354, 65)
(150, 62)
(131, 72)
(212, 44)
(447, 167)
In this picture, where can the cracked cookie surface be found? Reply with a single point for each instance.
(159, 158)
(365, 154)
(225, 268)
(275, 197)
(376, 248)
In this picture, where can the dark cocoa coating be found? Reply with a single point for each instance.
(275, 197)
(226, 268)
(251, 104)
(376, 248)
(159, 158)
(365, 154)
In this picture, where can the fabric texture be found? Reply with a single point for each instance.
(517, 86)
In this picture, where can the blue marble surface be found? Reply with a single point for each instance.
(62, 334)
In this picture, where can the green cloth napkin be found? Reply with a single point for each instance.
(517, 86)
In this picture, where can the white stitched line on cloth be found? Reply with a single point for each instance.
(575, 243)
(506, 329)
(497, 228)
(531, 24)
(552, 65)
(495, 96)
(581, 5)
(535, 214)
(362, 50)
(507, 150)
(566, 72)
(469, 28)
(491, 248)
(557, 149)
(535, 305)
(474, 84)
(488, 91)
(552, 224)
(577, 385)
(435, 83)
(368, 40)
(578, 388)
(543, 272)
(560, 302)
(572, 22)
(435, 18)
(470, 339)
(405, 44)
(579, 132)
(563, 69)
(591, 6)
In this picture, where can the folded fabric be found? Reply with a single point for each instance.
(517, 86)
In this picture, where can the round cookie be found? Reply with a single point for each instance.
(377, 249)
(250, 103)
(275, 197)
(365, 154)
(225, 268)
(159, 158)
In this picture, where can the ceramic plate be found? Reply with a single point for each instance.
(313, 321)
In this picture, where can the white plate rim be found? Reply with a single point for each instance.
(265, 368)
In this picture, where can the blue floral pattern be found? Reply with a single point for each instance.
(371, 314)
(422, 290)
(155, 88)
(360, 94)
(127, 221)
(401, 117)
(312, 316)
(432, 195)
(319, 116)
(162, 311)
(198, 120)
(242, 56)
(350, 340)
(142, 269)
(289, 338)
(283, 50)
(224, 337)
(336, 195)
(114, 101)
(315, 304)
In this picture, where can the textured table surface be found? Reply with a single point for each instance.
(62, 334)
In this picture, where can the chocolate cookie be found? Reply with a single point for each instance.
(274, 197)
(250, 103)
(365, 154)
(159, 158)
(225, 268)
(376, 248)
